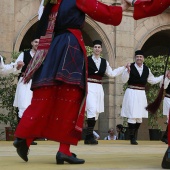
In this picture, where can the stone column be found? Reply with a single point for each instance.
(6, 27)
(123, 49)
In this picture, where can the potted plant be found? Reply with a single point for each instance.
(157, 65)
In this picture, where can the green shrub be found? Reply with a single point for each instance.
(8, 113)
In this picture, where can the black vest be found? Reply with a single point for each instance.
(168, 89)
(135, 77)
(26, 59)
(92, 67)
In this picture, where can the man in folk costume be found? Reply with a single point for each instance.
(166, 111)
(97, 68)
(23, 93)
(134, 101)
(148, 8)
(59, 83)
(166, 106)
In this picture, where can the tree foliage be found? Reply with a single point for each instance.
(157, 67)
(8, 113)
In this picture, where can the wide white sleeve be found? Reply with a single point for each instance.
(20, 58)
(152, 79)
(12, 67)
(6, 69)
(113, 73)
(40, 10)
(166, 82)
(125, 76)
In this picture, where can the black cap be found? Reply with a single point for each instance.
(139, 52)
(33, 37)
(97, 42)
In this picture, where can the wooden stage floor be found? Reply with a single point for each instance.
(107, 155)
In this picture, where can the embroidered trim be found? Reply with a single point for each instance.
(167, 95)
(94, 80)
(136, 87)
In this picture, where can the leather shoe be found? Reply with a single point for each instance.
(22, 148)
(74, 154)
(34, 143)
(61, 157)
(133, 141)
(90, 141)
(164, 140)
(166, 159)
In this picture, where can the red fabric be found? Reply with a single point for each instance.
(29, 141)
(144, 9)
(111, 15)
(77, 33)
(65, 148)
(53, 114)
(97, 77)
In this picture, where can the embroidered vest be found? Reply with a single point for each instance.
(27, 58)
(135, 77)
(168, 89)
(92, 69)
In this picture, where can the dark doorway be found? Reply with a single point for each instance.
(29, 36)
(157, 44)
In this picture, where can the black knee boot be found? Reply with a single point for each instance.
(132, 128)
(136, 129)
(165, 136)
(89, 139)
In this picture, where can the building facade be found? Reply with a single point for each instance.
(18, 22)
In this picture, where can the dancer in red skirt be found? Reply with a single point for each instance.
(59, 83)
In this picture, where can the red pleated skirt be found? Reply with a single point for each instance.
(52, 114)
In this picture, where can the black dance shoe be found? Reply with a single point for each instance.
(34, 143)
(91, 141)
(166, 159)
(133, 141)
(74, 154)
(164, 140)
(61, 157)
(22, 148)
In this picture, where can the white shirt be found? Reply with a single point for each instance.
(6, 69)
(109, 71)
(21, 56)
(40, 10)
(151, 79)
(109, 138)
(11, 68)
